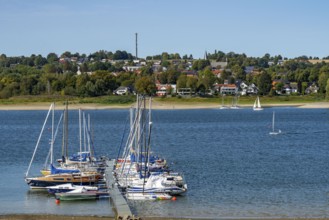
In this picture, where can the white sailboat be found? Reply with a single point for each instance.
(257, 106)
(223, 106)
(273, 132)
(235, 102)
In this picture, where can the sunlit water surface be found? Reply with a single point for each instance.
(232, 166)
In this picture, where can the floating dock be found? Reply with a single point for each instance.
(121, 208)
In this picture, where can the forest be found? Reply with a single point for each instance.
(102, 72)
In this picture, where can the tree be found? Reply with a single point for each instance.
(207, 78)
(182, 81)
(327, 90)
(192, 83)
(80, 84)
(238, 72)
(200, 64)
(279, 86)
(163, 77)
(264, 83)
(145, 86)
(52, 57)
(304, 86)
(323, 77)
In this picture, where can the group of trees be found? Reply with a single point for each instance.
(53, 74)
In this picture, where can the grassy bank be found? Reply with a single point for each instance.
(244, 100)
(129, 100)
(104, 100)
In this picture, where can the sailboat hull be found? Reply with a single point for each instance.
(53, 180)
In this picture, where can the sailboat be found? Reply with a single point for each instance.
(257, 106)
(235, 102)
(273, 132)
(135, 169)
(223, 106)
(59, 175)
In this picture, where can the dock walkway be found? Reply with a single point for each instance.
(121, 208)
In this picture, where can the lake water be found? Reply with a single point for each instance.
(232, 166)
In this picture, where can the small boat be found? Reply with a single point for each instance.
(257, 106)
(148, 196)
(68, 187)
(81, 194)
(172, 185)
(273, 132)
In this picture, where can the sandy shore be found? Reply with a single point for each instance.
(64, 217)
(155, 105)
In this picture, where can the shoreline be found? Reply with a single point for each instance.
(155, 105)
(71, 217)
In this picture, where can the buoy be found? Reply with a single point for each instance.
(58, 201)
(173, 198)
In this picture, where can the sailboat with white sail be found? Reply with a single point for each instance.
(273, 132)
(257, 106)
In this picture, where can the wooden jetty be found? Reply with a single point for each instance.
(121, 208)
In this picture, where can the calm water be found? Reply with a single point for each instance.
(233, 167)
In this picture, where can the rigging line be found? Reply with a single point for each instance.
(36, 146)
(123, 135)
(60, 119)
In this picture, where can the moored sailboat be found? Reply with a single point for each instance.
(140, 174)
(68, 187)
(81, 194)
(86, 174)
(223, 106)
(257, 106)
(56, 179)
(273, 132)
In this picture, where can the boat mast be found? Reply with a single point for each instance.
(84, 132)
(52, 135)
(65, 130)
(80, 133)
(273, 121)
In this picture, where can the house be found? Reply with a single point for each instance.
(252, 89)
(249, 69)
(286, 89)
(157, 68)
(294, 87)
(131, 68)
(228, 89)
(122, 90)
(218, 65)
(185, 92)
(217, 73)
(190, 73)
(165, 89)
(313, 88)
(246, 89)
(285, 86)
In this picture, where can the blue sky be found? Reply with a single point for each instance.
(290, 28)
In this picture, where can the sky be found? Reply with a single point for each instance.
(289, 28)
